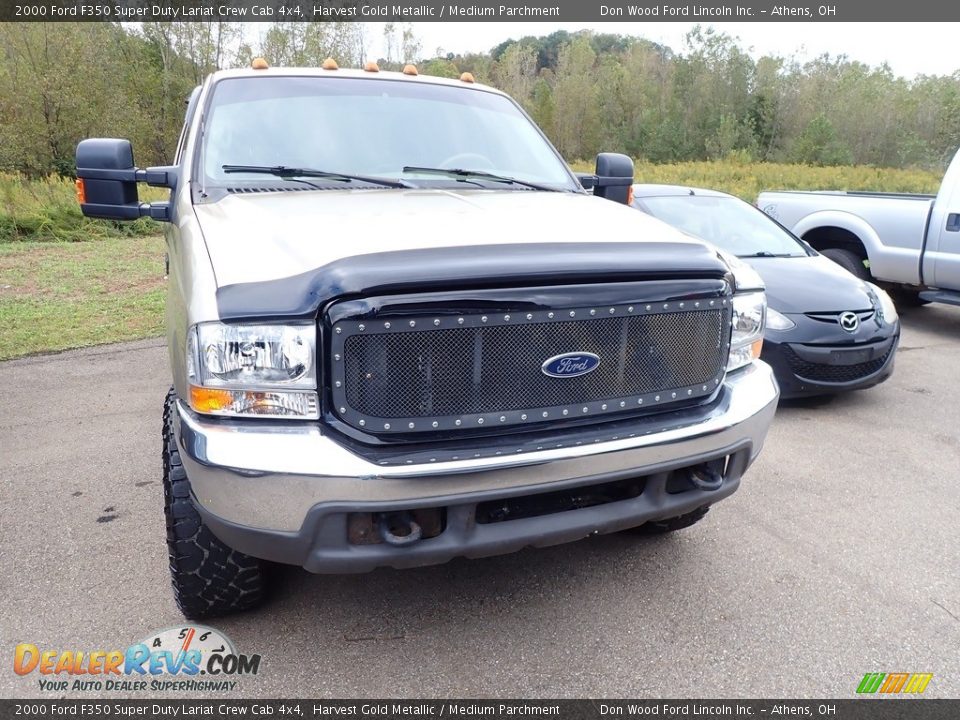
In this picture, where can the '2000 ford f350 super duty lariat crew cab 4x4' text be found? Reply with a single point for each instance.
(400, 332)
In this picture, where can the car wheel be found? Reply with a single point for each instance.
(849, 261)
(209, 578)
(661, 527)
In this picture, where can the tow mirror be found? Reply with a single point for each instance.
(107, 181)
(613, 177)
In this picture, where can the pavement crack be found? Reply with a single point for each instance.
(945, 610)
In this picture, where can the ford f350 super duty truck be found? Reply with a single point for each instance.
(911, 243)
(401, 331)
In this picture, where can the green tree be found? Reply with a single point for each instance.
(576, 115)
(818, 144)
(516, 73)
(440, 67)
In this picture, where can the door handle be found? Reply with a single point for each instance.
(953, 222)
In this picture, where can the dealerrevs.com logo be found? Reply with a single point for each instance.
(187, 659)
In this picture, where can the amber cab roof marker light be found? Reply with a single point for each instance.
(466, 77)
(409, 69)
(330, 64)
(258, 63)
(371, 67)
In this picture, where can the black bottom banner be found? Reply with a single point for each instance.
(853, 709)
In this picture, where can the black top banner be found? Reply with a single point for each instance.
(476, 10)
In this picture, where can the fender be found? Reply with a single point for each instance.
(884, 261)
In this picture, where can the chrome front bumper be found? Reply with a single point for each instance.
(268, 476)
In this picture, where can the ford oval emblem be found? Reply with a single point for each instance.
(573, 364)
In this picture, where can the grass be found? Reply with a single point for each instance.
(46, 210)
(55, 296)
(748, 179)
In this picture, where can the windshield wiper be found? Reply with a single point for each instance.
(466, 175)
(293, 173)
(767, 253)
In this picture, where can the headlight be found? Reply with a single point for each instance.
(746, 340)
(263, 370)
(888, 310)
(778, 321)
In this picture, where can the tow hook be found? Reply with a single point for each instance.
(398, 528)
(704, 477)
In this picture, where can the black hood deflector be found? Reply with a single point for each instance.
(470, 267)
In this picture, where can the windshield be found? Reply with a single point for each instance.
(727, 222)
(373, 128)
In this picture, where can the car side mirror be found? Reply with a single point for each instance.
(107, 181)
(613, 177)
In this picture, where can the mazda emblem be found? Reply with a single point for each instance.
(849, 321)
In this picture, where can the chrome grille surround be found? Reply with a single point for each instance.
(378, 409)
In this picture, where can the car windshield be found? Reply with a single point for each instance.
(373, 128)
(727, 222)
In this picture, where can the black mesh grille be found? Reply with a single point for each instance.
(818, 372)
(475, 369)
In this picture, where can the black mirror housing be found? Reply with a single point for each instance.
(614, 177)
(107, 181)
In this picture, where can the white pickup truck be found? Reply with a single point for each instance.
(910, 242)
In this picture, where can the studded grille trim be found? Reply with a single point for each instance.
(422, 374)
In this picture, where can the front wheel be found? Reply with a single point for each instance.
(849, 261)
(209, 578)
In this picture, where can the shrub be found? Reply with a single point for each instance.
(737, 176)
(46, 210)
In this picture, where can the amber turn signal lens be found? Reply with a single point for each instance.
(756, 347)
(209, 400)
(81, 192)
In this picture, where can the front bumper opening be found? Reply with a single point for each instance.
(401, 528)
(377, 528)
(528, 506)
(834, 368)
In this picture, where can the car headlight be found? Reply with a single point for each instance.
(746, 340)
(264, 370)
(778, 321)
(888, 310)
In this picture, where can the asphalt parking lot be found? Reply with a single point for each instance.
(838, 556)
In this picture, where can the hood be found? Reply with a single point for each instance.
(810, 284)
(257, 237)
